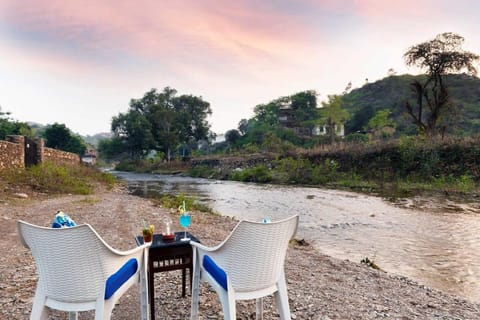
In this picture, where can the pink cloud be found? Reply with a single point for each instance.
(392, 8)
(376, 8)
(212, 30)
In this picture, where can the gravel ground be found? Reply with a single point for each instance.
(319, 286)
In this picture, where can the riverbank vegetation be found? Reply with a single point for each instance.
(50, 178)
(175, 201)
(397, 168)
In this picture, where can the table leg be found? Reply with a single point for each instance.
(190, 273)
(184, 271)
(151, 291)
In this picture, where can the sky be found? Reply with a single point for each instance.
(80, 62)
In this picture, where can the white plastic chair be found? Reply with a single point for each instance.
(248, 264)
(79, 271)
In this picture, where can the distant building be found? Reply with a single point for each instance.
(322, 130)
(286, 118)
(90, 156)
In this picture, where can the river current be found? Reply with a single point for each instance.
(440, 249)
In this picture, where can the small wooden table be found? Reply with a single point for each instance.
(167, 255)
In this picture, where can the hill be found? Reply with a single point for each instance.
(93, 140)
(393, 92)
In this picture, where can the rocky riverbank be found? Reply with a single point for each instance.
(320, 287)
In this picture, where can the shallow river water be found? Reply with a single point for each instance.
(440, 249)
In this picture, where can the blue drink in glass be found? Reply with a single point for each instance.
(185, 219)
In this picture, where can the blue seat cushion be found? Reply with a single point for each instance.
(215, 271)
(116, 280)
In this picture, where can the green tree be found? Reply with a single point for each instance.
(304, 106)
(164, 121)
(232, 136)
(256, 133)
(267, 114)
(135, 131)
(243, 126)
(439, 57)
(110, 149)
(297, 112)
(359, 119)
(381, 124)
(58, 136)
(332, 116)
(11, 127)
(192, 117)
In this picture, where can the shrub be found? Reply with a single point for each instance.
(258, 173)
(52, 178)
(295, 170)
(201, 171)
(463, 183)
(175, 201)
(290, 170)
(325, 172)
(357, 138)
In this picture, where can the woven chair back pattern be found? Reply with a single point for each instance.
(251, 247)
(66, 259)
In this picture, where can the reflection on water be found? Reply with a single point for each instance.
(440, 250)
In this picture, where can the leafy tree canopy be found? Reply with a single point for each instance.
(381, 124)
(438, 57)
(442, 55)
(300, 110)
(58, 136)
(162, 121)
(11, 127)
(332, 115)
(232, 136)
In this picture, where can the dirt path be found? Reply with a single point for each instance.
(320, 287)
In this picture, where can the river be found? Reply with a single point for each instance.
(438, 248)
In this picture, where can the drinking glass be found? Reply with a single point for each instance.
(185, 219)
(147, 233)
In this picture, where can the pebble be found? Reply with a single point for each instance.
(21, 195)
(319, 287)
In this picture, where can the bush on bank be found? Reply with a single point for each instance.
(52, 178)
(175, 201)
(152, 166)
(396, 167)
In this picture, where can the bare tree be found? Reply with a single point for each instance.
(439, 57)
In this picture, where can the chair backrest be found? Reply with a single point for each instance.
(254, 253)
(72, 263)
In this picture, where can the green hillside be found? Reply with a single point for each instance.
(393, 92)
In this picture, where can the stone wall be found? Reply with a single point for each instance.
(11, 155)
(59, 156)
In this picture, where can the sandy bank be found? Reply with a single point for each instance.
(320, 287)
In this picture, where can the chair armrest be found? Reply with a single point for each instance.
(131, 251)
(201, 251)
(118, 258)
(122, 275)
(215, 271)
(202, 247)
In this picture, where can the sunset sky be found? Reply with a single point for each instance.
(79, 62)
